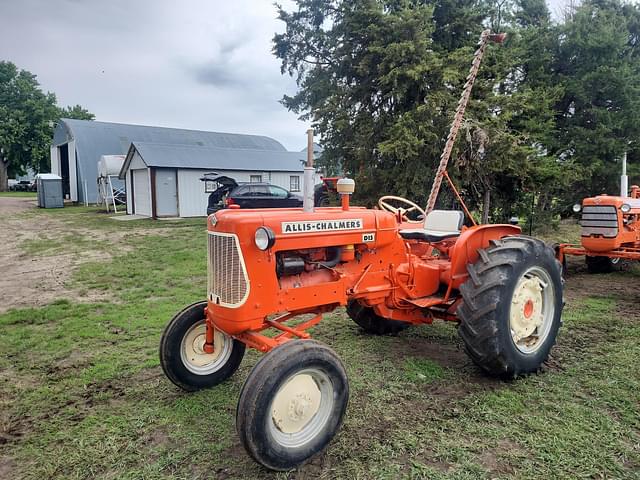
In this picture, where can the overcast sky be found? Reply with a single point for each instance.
(195, 64)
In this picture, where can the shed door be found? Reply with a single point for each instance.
(141, 193)
(166, 192)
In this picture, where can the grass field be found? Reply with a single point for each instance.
(82, 394)
(19, 194)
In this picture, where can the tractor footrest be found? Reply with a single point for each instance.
(425, 302)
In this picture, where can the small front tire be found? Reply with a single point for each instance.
(183, 359)
(292, 404)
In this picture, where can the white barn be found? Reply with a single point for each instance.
(163, 180)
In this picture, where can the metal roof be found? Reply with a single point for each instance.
(94, 139)
(117, 137)
(211, 158)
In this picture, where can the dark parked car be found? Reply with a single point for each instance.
(247, 195)
(24, 186)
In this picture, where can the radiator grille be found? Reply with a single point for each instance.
(227, 280)
(599, 220)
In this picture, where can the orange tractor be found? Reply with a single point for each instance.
(273, 273)
(610, 231)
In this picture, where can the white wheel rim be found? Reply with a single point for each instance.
(532, 310)
(301, 408)
(192, 353)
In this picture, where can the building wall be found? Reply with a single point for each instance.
(192, 198)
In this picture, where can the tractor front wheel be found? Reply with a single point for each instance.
(292, 404)
(512, 306)
(370, 322)
(182, 354)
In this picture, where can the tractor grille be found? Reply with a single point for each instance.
(228, 283)
(599, 220)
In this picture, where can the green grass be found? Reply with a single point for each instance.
(82, 395)
(19, 194)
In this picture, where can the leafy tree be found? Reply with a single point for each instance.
(380, 81)
(26, 122)
(597, 62)
(373, 82)
(77, 112)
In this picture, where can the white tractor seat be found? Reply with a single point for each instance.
(439, 225)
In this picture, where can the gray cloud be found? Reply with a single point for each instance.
(198, 64)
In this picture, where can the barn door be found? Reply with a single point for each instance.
(166, 192)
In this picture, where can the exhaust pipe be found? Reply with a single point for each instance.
(624, 179)
(309, 172)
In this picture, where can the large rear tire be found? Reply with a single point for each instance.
(183, 359)
(370, 322)
(512, 306)
(292, 404)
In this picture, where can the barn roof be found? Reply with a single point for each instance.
(107, 138)
(208, 157)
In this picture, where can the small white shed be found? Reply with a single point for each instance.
(163, 180)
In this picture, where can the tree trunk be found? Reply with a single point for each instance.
(486, 204)
(4, 175)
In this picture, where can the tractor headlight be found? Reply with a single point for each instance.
(577, 207)
(265, 238)
(625, 208)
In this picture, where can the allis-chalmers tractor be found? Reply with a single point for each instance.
(610, 231)
(267, 267)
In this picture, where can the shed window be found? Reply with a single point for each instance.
(255, 178)
(294, 183)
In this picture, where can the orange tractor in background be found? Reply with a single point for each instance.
(273, 273)
(610, 231)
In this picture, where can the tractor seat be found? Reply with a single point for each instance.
(439, 225)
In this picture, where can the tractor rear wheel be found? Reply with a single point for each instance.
(182, 356)
(512, 306)
(370, 322)
(292, 404)
(602, 264)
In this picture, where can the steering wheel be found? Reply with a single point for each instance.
(402, 212)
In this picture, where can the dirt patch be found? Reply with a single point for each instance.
(27, 281)
(450, 356)
(12, 428)
(36, 280)
(491, 461)
(76, 360)
(580, 284)
(7, 467)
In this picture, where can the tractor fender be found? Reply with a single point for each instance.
(465, 250)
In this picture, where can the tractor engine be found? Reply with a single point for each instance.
(266, 261)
